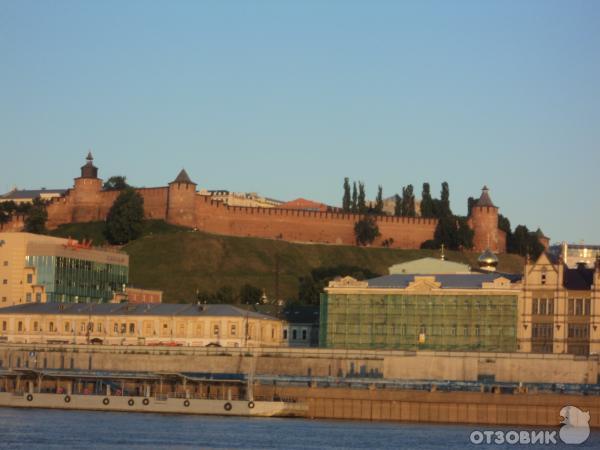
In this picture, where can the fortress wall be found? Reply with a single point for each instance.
(305, 226)
(155, 202)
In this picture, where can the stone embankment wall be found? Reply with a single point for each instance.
(504, 367)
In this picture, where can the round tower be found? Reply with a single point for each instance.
(86, 193)
(484, 222)
(181, 203)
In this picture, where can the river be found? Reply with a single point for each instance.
(57, 429)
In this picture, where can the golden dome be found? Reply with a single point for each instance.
(487, 260)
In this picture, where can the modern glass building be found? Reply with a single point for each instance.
(36, 268)
(462, 312)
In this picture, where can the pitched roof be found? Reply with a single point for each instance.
(133, 309)
(30, 193)
(302, 203)
(183, 177)
(485, 199)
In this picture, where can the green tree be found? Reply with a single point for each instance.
(464, 234)
(397, 205)
(250, 294)
(354, 198)
(125, 218)
(408, 201)
(311, 286)
(504, 224)
(470, 203)
(346, 200)
(362, 202)
(36, 217)
(445, 210)
(116, 183)
(427, 210)
(366, 230)
(379, 200)
(446, 232)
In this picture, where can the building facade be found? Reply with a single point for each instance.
(181, 204)
(38, 269)
(139, 324)
(448, 312)
(560, 308)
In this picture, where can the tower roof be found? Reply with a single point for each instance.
(88, 170)
(183, 177)
(485, 199)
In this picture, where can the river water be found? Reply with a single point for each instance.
(56, 429)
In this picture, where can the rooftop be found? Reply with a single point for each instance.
(20, 194)
(447, 281)
(130, 309)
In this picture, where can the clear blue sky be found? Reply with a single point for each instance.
(287, 98)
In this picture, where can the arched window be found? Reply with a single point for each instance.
(67, 327)
(51, 327)
(35, 326)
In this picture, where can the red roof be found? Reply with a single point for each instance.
(302, 203)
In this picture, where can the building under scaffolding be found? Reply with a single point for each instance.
(464, 312)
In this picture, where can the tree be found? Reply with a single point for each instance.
(470, 203)
(427, 210)
(249, 294)
(408, 201)
(346, 200)
(525, 242)
(354, 198)
(397, 205)
(446, 232)
(464, 234)
(504, 224)
(125, 218)
(362, 202)
(445, 210)
(379, 201)
(36, 217)
(116, 183)
(366, 230)
(312, 285)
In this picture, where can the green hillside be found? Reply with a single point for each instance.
(179, 261)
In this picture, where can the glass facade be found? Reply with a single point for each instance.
(71, 280)
(419, 322)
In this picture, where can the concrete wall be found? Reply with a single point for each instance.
(506, 367)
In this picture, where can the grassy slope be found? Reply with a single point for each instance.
(179, 261)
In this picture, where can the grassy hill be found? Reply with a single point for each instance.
(180, 261)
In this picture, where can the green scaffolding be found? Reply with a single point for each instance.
(419, 322)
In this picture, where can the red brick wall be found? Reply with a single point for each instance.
(484, 222)
(305, 226)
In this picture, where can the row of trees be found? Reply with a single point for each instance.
(247, 294)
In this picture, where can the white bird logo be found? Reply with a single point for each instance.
(575, 425)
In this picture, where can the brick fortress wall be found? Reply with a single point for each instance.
(180, 204)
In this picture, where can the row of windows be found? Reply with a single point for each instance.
(542, 306)
(404, 330)
(579, 307)
(130, 328)
(542, 330)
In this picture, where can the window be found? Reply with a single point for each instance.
(4, 325)
(51, 327)
(233, 329)
(587, 307)
(67, 327)
(29, 278)
(273, 333)
(199, 329)
(285, 334)
(543, 306)
(5, 263)
(90, 327)
(466, 330)
(571, 306)
(3, 299)
(131, 328)
(116, 328)
(99, 327)
(38, 297)
(294, 334)
(453, 330)
(543, 278)
(304, 334)
(82, 327)
(35, 326)
(550, 306)
(28, 297)
(20, 326)
(5, 281)
(534, 306)
(215, 330)
(579, 307)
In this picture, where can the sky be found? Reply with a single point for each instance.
(286, 98)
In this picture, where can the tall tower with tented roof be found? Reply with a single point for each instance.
(181, 202)
(86, 193)
(484, 222)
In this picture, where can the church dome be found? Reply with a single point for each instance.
(487, 260)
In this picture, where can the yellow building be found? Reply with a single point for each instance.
(36, 268)
(560, 307)
(139, 324)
